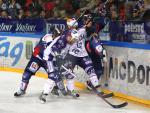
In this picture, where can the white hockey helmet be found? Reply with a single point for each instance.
(72, 22)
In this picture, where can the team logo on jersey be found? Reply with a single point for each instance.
(33, 67)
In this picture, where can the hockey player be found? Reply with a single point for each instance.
(99, 57)
(58, 47)
(72, 25)
(35, 62)
(43, 56)
(95, 49)
(78, 55)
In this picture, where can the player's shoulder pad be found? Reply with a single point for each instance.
(47, 38)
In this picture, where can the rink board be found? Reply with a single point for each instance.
(129, 72)
(128, 67)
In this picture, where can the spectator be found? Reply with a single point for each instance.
(129, 6)
(57, 9)
(28, 2)
(21, 14)
(4, 14)
(113, 12)
(83, 3)
(35, 14)
(122, 12)
(29, 14)
(49, 6)
(13, 8)
(75, 4)
(57, 13)
(49, 14)
(69, 8)
(91, 5)
(3, 5)
(138, 10)
(63, 14)
(42, 15)
(147, 4)
(35, 6)
(22, 3)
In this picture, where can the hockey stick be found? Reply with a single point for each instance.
(101, 96)
(80, 17)
(68, 70)
(108, 95)
(107, 1)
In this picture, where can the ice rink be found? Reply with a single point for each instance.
(86, 103)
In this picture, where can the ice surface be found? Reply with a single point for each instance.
(87, 103)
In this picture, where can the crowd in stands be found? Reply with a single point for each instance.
(61, 9)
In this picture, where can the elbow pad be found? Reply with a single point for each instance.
(99, 48)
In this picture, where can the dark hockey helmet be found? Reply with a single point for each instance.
(87, 16)
(55, 31)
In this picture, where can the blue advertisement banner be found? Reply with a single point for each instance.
(126, 31)
(60, 24)
(130, 31)
(22, 26)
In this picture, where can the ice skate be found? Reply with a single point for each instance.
(106, 84)
(19, 93)
(63, 91)
(55, 91)
(43, 98)
(73, 93)
(89, 87)
(61, 87)
(22, 89)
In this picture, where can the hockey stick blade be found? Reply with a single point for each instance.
(120, 105)
(112, 105)
(105, 95)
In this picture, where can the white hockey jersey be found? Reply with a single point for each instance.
(78, 48)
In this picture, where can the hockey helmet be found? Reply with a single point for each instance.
(72, 22)
(87, 15)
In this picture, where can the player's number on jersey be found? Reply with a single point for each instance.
(79, 46)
